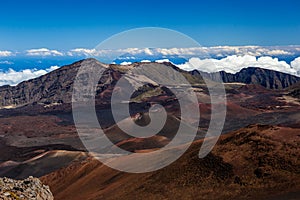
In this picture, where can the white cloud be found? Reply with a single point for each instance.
(148, 51)
(162, 60)
(249, 50)
(145, 61)
(6, 62)
(5, 53)
(277, 52)
(12, 77)
(125, 63)
(43, 52)
(220, 51)
(233, 64)
(107, 52)
(203, 52)
(295, 64)
(83, 52)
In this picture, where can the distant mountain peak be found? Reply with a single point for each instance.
(265, 77)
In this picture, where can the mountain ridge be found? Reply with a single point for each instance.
(56, 87)
(267, 78)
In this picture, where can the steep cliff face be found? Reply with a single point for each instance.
(269, 79)
(30, 188)
(264, 77)
(52, 87)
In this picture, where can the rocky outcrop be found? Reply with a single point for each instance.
(30, 188)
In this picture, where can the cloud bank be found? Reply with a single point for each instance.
(12, 77)
(83, 52)
(233, 64)
(216, 51)
(295, 64)
(43, 52)
(209, 59)
(5, 53)
(6, 62)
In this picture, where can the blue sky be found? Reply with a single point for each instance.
(38, 36)
(70, 24)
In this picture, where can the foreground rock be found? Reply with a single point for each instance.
(30, 188)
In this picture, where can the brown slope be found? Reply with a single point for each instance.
(43, 163)
(294, 90)
(256, 162)
(35, 131)
(163, 137)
